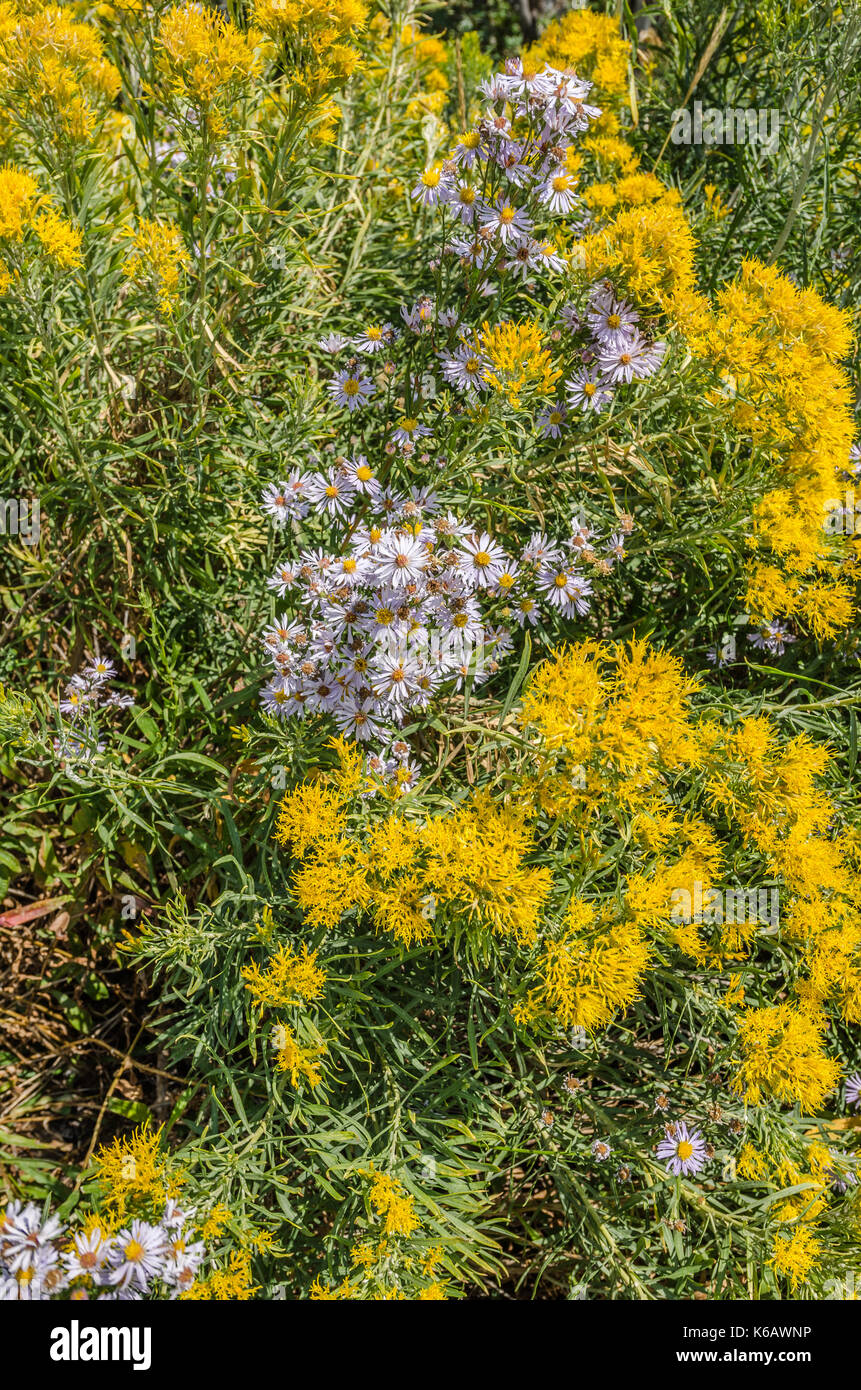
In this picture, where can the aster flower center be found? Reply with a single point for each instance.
(685, 1150)
(506, 214)
(482, 558)
(134, 1250)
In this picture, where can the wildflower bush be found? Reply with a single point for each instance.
(430, 656)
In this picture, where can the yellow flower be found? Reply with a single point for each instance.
(751, 1163)
(215, 1222)
(60, 239)
(782, 1057)
(393, 1205)
(232, 1284)
(297, 1060)
(53, 73)
(316, 35)
(588, 974)
(647, 250)
(135, 1169)
(19, 194)
(516, 359)
(290, 977)
(203, 57)
(24, 210)
(797, 1255)
(308, 814)
(157, 261)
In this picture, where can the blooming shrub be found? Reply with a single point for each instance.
(113, 1251)
(410, 461)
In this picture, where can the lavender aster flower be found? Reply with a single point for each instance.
(853, 1090)
(684, 1150)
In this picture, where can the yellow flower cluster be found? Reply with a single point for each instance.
(27, 221)
(394, 1207)
(608, 716)
(134, 1171)
(796, 1251)
(407, 876)
(647, 248)
(516, 359)
(782, 1057)
(631, 191)
(769, 789)
(795, 1256)
(317, 36)
(778, 350)
(588, 973)
(614, 734)
(290, 980)
(300, 1061)
(386, 1267)
(291, 977)
(232, 1284)
(53, 72)
(205, 61)
(589, 44)
(157, 262)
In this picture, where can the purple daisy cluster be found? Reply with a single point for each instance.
(85, 693)
(416, 601)
(498, 193)
(41, 1259)
(498, 186)
(89, 689)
